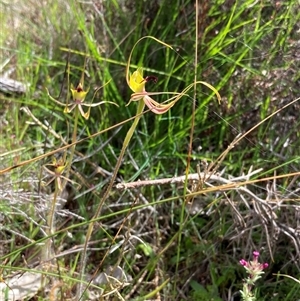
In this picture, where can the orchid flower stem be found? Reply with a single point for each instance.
(47, 254)
(140, 109)
(74, 139)
(51, 216)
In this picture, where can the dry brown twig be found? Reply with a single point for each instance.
(191, 178)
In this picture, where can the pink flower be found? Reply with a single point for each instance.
(254, 268)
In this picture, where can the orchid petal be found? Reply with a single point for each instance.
(156, 107)
(98, 104)
(67, 109)
(53, 99)
(84, 115)
(136, 97)
(136, 81)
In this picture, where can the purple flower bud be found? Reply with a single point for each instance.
(243, 262)
(255, 254)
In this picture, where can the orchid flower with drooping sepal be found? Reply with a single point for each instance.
(137, 84)
(78, 98)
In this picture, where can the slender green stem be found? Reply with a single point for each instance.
(47, 254)
(140, 109)
(72, 150)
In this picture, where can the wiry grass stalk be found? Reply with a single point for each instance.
(89, 232)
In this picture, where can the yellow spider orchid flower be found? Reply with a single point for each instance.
(58, 167)
(137, 84)
(78, 97)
